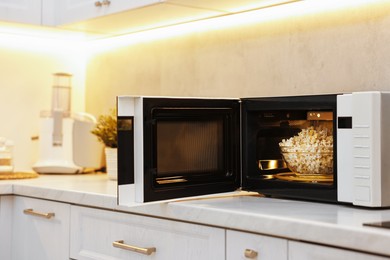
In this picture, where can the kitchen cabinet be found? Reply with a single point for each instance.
(116, 17)
(241, 245)
(218, 225)
(35, 12)
(72, 11)
(40, 229)
(5, 226)
(102, 234)
(122, 17)
(23, 11)
(306, 251)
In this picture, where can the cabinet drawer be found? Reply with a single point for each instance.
(94, 231)
(305, 251)
(40, 229)
(240, 245)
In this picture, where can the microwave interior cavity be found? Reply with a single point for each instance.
(289, 146)
(295, 146)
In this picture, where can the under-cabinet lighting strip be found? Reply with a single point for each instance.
(51, 40)
(276, 12)
(208, 24)
(41, 44)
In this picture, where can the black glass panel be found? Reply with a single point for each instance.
(344, 122)
(189, 146)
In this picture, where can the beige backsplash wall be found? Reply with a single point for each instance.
(323, 52)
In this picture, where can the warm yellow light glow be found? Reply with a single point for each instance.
(279, 12)
(37, 38)
(38, 44)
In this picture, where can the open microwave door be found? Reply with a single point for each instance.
(178, 147)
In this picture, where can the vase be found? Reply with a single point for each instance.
(111, 163)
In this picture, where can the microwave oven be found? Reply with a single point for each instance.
(331, 148)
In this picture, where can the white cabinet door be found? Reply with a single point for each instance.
(36, 234)
(305, 251)
(77, 10)
(123, 17)
(141, 19)
(94, 231)
(5, 226)
(23, 11)
(240, 245)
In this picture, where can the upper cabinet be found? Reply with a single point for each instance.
(122, 16)
(116, 17)
(23, 11)
(69, 11)
(36, 12)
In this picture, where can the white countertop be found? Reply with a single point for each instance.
(336, 225)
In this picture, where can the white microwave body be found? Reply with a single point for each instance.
(362, 151)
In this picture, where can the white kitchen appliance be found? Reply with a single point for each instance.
(332, 148)
(66, 145)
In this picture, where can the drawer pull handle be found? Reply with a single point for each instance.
(38, 214)
(249, 253)
(145, 251)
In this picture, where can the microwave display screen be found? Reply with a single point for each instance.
(189, 146)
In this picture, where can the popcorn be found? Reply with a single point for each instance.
(310, 152)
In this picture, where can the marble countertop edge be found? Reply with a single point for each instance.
(85, 198)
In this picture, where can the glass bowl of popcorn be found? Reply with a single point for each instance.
(310, 152)
(308, 160)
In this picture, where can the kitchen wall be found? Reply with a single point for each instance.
(26, 67)
(321, 50)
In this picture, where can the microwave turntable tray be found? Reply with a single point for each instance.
(310, 178)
